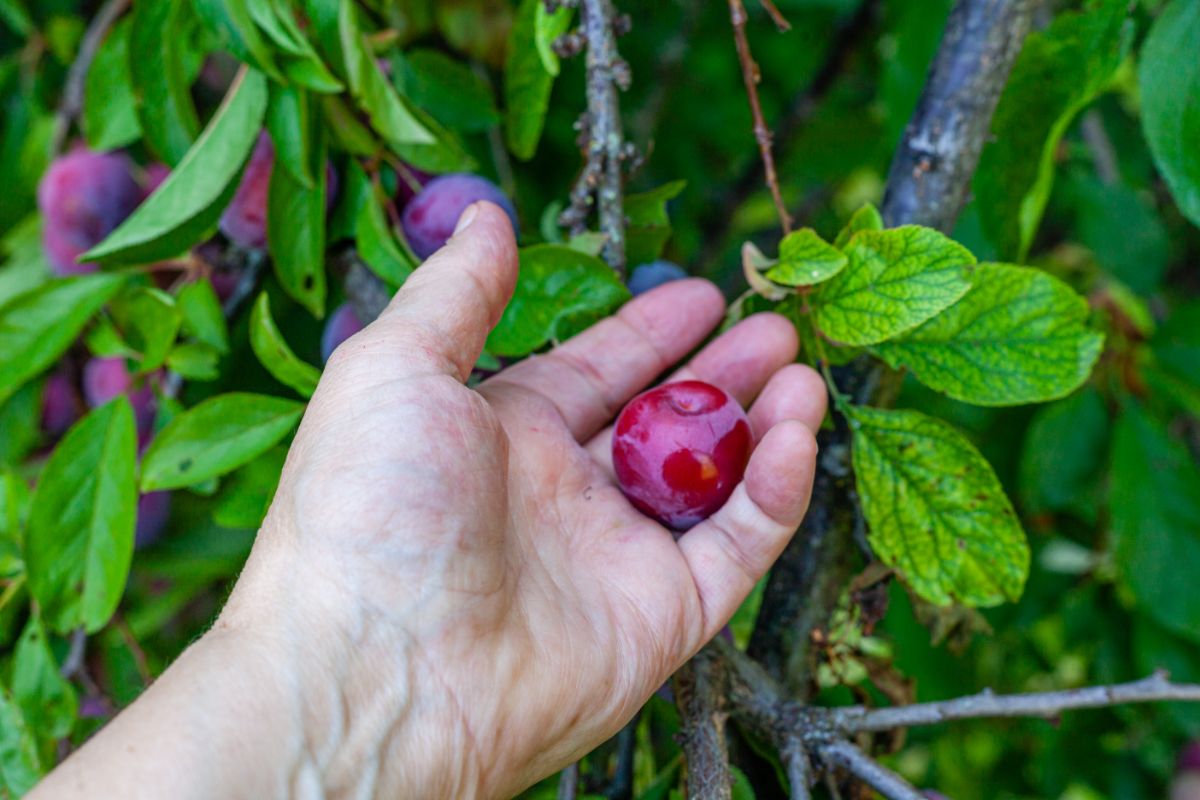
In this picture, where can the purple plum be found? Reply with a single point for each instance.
(430, 218)
(83, 197)
(153, 177)
(649, 276)
(106, 378)
(341, 325)
(153, 509)
(60, 404)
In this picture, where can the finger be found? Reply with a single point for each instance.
(593, 374)
(732, 549)
(442, 314)
(795, 392)
(740, 361)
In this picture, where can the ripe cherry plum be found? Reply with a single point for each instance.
(430, 217)
(83, 197)
(342, 324)
(654, 274)
(679, 450)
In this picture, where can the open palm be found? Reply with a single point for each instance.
(477, 538)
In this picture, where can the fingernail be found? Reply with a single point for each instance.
(468, 216)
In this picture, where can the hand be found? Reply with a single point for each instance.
(467, 599)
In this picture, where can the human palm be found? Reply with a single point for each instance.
(488, 536)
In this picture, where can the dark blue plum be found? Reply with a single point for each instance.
(430, 217)
(649, 276)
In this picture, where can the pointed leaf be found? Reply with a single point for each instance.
(164, 102)
(275, 354)
(47, 699)
(296, 234)
(20, 767)
(806, 259)
(866, 218)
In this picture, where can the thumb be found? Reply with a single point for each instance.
(442, 314)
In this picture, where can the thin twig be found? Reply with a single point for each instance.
(698, 690)
(1104, 156)
(762, 134)
(71, 104)
(568, 782)
(1048, 705)
(621, 787)
(776, 16)
(852, 759)
(799, 771)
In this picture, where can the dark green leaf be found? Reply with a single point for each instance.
(559, 291)
(203, 318)
(293, 119)
(297, 57)
(377, 244)
(296, 234)
(14, 508)
(1017, 336)
(1124, 231)
(13, 13)
(805, 259)
(215, 437)
(1062, 461)
(232, 22)
(275, 354)
(1155, 649)
(110, 118)
(20, 767)
(529, 75)
(80, 539)
(47, 699)
(36, 327)
(24, 264)
(935, 510)
(190, 201)
(160, 82)
(448, 90)
(20, 423)
(1169, 77)
(244, 498)
(649, 226)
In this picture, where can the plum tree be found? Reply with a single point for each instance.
(60, 403)
(679, 450)
(83, 197)
(655, 273)
(430, 217)
(153, 509)
(244, 221)
(106, 378)
(341, 325)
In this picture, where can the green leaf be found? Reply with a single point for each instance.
(215, 437)
(20, 423)
(296, 55)
(529, 75)
(24, 264)
(559, 292)
(1123, 229)
(866, 218)
(1017, 336)
(13, 13)
(1059, 72)
(160, 82)
(894, 280)
(232, 22)
(244, 498)
(20, 767)
(47, 700)
(110, 118)
(275, 354)
(390, 115)
(203, 318)
(296, 234)
(935, 510)
(190, 201)
(14, 508)
(649, 226)
(1154, 508)
(195, 361)
(1063, 457)
(377, 244)
(80, 539)
(806, 259)
(1169, 78)
(447, 89)
(38, 326)
(293, 121)
(1156, 649)
(150, 322)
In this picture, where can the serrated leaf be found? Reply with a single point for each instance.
(47, 699)
(447, 89)
(110, 118)
(529, 75)
(649, 225)
(80, 539)
(893, 281)
(20, 767)
(275, 354)
(296, 234)
(1169, 78)
(215, 437)
(935, 510)
(866, 218)
(559, 292)
(203, 318)
(38, 326)
(1154, 507)
(161, 87)
(1059, 72)
(806, 259)
(189, 202)
(149, 320)
(1017, 336)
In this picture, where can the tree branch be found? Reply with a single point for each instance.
(71, 103)
(568, 782)
(762, 134)
(1048, 705)
(853, 760)
(698, 689)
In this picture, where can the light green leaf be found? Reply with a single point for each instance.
(648, 224)
(1154, 507)
(46, 698)
(215, 437)
(203, 318)
(894, 280)
(1059, 72)
(866, 218)
(1017, 336)
(559, 292)
(296, 234)
(150, 321)
(377, 244)
(80, 539)
(1169, 78)
(529, 75)
(160, 82)
(293, 120)
(806, 259)
(245, 497)
(195, 361)
(110, 118)
(20, 767)
(935, 510)
(14, 508)
(548, 26)
(275, 354)
(38, 326)
(190, 201)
